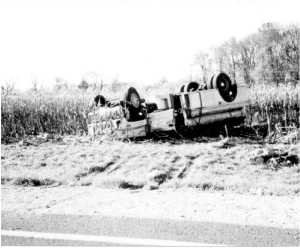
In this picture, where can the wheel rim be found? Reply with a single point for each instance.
(224, 85)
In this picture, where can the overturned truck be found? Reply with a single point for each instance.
(219, 100)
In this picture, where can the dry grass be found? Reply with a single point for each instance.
(240, 167)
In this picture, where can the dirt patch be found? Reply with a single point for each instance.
(132, 186)
(93, 169)
(161, 178)
(35, 182)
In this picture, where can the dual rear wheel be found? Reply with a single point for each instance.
(221, 81)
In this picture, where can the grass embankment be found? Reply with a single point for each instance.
(225, 165)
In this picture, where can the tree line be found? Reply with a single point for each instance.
(271, 55)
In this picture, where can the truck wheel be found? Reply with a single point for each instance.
(100, 100)
(230, 94)
(221, 81)
(132, 97)
(227, 88)
(182, 87)
(210, 85)
(134, 111)
(192, 86)
(188, 87)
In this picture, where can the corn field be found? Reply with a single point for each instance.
(23, 115)
(276, 106)
(34, 113)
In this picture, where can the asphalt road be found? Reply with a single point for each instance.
(113, 230)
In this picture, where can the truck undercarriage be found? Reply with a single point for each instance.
(220, 100)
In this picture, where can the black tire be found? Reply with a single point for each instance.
(231, 94)
(182, 87)
(134, 111)
(192, 86)
(221, 81)
(189, 87)
(100, 100)
(227, 88)
(210, 84)
(129, 98)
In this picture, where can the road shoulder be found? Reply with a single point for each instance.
(188, 205)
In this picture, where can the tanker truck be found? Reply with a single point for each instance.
(194, 104)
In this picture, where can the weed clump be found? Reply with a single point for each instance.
(276, 159)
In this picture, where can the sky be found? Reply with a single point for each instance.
(138, 41)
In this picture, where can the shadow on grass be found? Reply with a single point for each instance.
(206, 134)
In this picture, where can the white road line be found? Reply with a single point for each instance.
(104, 239)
